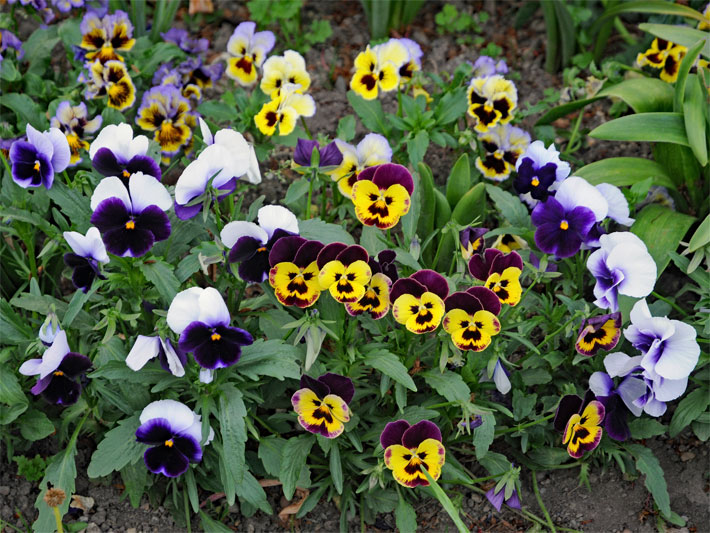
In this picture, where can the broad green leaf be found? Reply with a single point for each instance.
(13, 328)
(417, 147)
(472, 206)
(484, 434)
(650, 127)
(622, 171)
(427, 201)
(651, 7)
(346, 128)
(210, 525)
(13, 401)
(523, 404)
(370, 113)
(452, 106)
(390, 365)
(135, 478)
(459, 180)
(249, 490)
(273, 358)
(681, 166)
(442, 212)
(661, 229)
(647, 464)
(564, 110)
(450, 385)
(293, 459)
(695, 110)
(234, 434)
(324, 232)
(548, 456)
(688, 410)
(160, 274)
(679, 34)
(405, 516)
(411, 219)
(74, 205)
(701, 237)
(34, 425)
(683, 70)
(117, 449)
(643, 95)
(26, 109)
(645, 428)
(270, 450)
(509, 206)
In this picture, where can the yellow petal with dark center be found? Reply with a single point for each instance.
(506, 285)
(374, 207)
(428, 316)
(242, 70)
(287, 120)
(121, 95)
(295, 286)
(376, 299)
(388, 77)
(406, 464)
(268, 118)
(365, 84)
(366, 61)
(323, 416)
(172, 136)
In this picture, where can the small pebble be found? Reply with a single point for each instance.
(687, 456)
(93, 528)
(131, 530)
(4, 490)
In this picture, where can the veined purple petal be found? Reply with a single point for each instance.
(154, 219)
(330, 156)
(285, 249)
(489, 300)
(141, 163)
(74, 364)
(351, 254)
(304, 152)
(433, 281)
(245, 248)
(419, 432)
(61, 390)
(24, 158)
(339, 385)
(393, 432)
(166, 460)
(496, 498)
(256, 268)
(321, 388)
(307, 253)
(186, 212)
(465, 301)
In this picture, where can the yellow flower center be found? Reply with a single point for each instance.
(564, 225)
(169, 443)
(216, 336)
(36, 167)
(126, 174)
(130, 225)
(535, 182)
(262, 249)
(59, 373)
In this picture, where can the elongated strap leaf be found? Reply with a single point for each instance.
(650, 127)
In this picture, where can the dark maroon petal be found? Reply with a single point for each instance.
(330, 156)
(110, 214)
(419, 432)
(304, 152)
(84, 271)
(388, 267)
(367, 173)
(279, 233)
(353, 253)
(465, 301)
(320, 388)
(194, 335)
(503, 261)
(489, 300)
(105, 163)
(166, 460)
(480, 265)
(74, 364)
(307, 253)
(329, 253)
(569, 405)
(390, 174)
(406, 286)
(62, 391)
(154, 219)
(245, 248)
(615, 420)
(392, 434)
(138, 163)
(154, 432)
(339, 385)
(470, 235)
(256, 269)
(433, 281)
(284, 250)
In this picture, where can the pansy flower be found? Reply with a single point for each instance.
(664, 55)
(500, 272)
(10, 40)
(102, 37)
(376, 300)
(166, 112)
(413, 62)
(228, 138)
(181, 38)
(36, 160)
(146, 348)
(289, 68)
(131, 219)
(580, 421)
(598, 333)
(65, 6)
(294, 271)
(503, 145)
(471, 241)
(377, 68)
(486, 66)
(344, 270)
(471, 318)
(322, 404)
(49, 329)
(618, 204)
(491, 101)
(87, 252)
(372, 150)
(497, 499)
(58, 371)
(174, 433)
(328, 156)
(408, 449)
(418, 301)
(201, 318)
(250, 244)
(382, 195)
(111, 79)
(284, 111)
(507, 242)
(247, 51)
(538, 169)
(73, 122)
(621, 266)
(564, 221)
(115, 152)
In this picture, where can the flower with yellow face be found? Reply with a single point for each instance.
(372, 150)
(111, 79)
(167, 113)
(580, 421)
(322, 404)
(503, 145)
(282, 70)
(248, 51)
(284, 111)
(101, 37)
(74, 123)
(471, 318)
(382, 195)
(378, 68)
(491, 101)
(344, 271)
(507, 242)
(664, 55)
(376, 300)
(471, 241)
(501, 273)
(413, 62)
(418, 301)
(409, 449)
(294, 271)
(597, 333)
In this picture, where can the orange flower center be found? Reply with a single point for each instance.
(169, 443)
(535, 182)
(130, 225)
(564, 225)
(126, 174)
(59, 373)
(36, 167)
(216, 336)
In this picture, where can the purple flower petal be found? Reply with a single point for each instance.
(351, 254)
(569, 405)
(390, 174)
(256, 268)
(330, 156)
(433, 281)
(245, 248)
(406, 286)
(186, 212)
(393, 432)
(73, 365)
(285, 249)
(419, 432)
(339, 385)
(465, 301)
(489, 300)
(154, 219)
(321, 388)
(496, 498)
(166, 460)
(154, 432)
(329, 253)
(304, 151)
(307, 253)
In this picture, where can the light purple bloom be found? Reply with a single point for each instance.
(35, 161)
(10, 40)
(67, 5)
(49, 329)
(497, 498)
(487, 66)
(147, 348)
(621, 266)
(182, 39)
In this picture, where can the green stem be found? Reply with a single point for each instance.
(323, 200)
(541, 503)
(523, 426)
(187, 511)
(671, 303)
(310, 195)
(265, 425)
(4, 161)
(58, 519)
(399, 101)
(575, 131)
(623, 32)
(305, 127)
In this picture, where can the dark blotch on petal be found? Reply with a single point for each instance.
(569, 405)
(154, 432)
(319, 387)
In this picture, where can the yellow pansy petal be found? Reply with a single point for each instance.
(388, 77)
(268, 118)
(405, 307)
(294, 286)
(506, 285)
(431, 311)
(376, 299)
(573, 421)
(324, 417)
(303, 104)
(366, 60)
(287, 120)
(406, 464)
(374, 207)
(242, 70)
(171, 136)
(122, 94)
(331, 272)
(364, 83)
(455, 320)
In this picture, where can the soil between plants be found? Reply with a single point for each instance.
(614, 505)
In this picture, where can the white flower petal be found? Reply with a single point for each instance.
(31, 367)
(620, 364)
(213, 310)
(273, 217)
(53, 356)
(372, 150)
(234, 231)
(111, 187)
(206, 133)
(144, 349)
(680, 353)
(654, 408)
(500, 377)
(665, 390)
(206, 375)
(62, 152)
(601, 384)
(618, 205)
(575, 192)
(174, 363)
(630, 390)
(638, 267)
(90, 245)
(253, 174)
(192, 182)
(39, 140)
(179, 415)
(146, 190)
(184, 309)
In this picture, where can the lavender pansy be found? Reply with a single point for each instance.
(87, 252)
(115, 152)
(10, 40)
(487, 66)
(329, 156)
(147, 348)
(182, 39)
(35, 161)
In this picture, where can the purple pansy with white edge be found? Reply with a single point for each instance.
(250, 243)
(563, 221)
(540, 171)
(201, 318)
(36, 160)
(621, 266)
(131, 220)
(115, 152)
(58, 371)
(174, 433)
(87, 252)
(146, 348)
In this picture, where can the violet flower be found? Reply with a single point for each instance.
(330, 155)
(10, 40)
(487, 66)
(147, 348)
(87, 252)
(182, 39)
(497, 498)
(115, 152)
(35, 161)
(540, 171)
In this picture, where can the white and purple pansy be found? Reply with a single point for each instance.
(146, 348)
(58, 371)
(564, 221)
(115, 152)
(201, 318)
(131, 219)
(36, 160)
(250, 244)
(621, 266)
(232, 141)
(174, 432)
(49, 329)
(540, 171)
(87, 252)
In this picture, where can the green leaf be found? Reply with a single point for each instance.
(160, 274)
(484, 434)
(523, 404)
(643, 95)
(661, 229)
(444, 500)
(117, 449)
(694, 115)
(336, 468)
(451, 107)
(688, 410)
(34, 425)
(249, 490)
(548, 456)
(459, 180)
(472, 206)
(417, 147)
(679, 34)
(135, 478)
(297, 190)
(405, 516)
(509, 206)
(210, 525)
(653, 7)
(272, 358)
(645, 428)
(427, 201)
(647, 464)
(650, 127)
(234, 434)
(324, 232)
(564, 110)
(293, 459)
(38, 50)
(622, 171)
(390, 365)
(346, 128)
(370, 113)
(270, 450)
(450, 385)
(26, 109)
(701, 237)
(683, 70)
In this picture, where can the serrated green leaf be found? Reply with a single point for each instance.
(405, 516)
(272, 358)
(509, 206)
(135, 478)
(370, 113)
(249, 490)
(324, 232)
(688, 410)
(293, 459)
(210, 525)
(117, 449)
(484, 434)
(655, 482)
(390, 365)
(450, 385)
(162, 276)
(346, 128)
(645, 428)
(232, 412)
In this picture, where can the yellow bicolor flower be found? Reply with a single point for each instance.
(377, 68)
(248, 51)
(491, 101)
(380, 207)
(346, 283)
(406, 463)
(376, 299)
(664, 55)
(372, 150)
(419, 315)
(281, 70)
(101, 37)
(503, 145)
(283, 112)
(167, 113)
(325, 416)
(471, 332)
(294, 285)
(583, 433)
(506, 285)
(111, 79)
(506, 243)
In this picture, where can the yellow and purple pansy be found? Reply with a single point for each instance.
(294, 271)
(74, 123)
(378, 68)
(372, 150)
(344, 271)
(102, 37)
(599, 333)
(382, 195)
(282, 112)
(507, 242)
(376, 300)
(491, 101)
(409, 449)
(664, 55)
(165, 111)
(500, 272)
(503, 145)
(247, 51)
(111, 79)
(322, 404)
(418, 301)
(471, 241)
(580, 421)
(471, 318)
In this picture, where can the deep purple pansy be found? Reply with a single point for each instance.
(115, 152)
(498, 498)
(87, 252)
(329, 155)
(36, 160)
